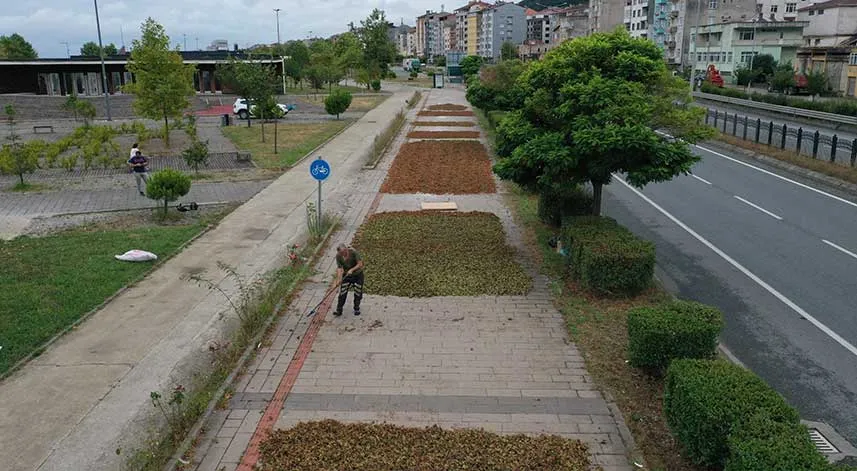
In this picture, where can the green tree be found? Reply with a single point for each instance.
(744, 75)
(349, 53)
(16, 158)
(86, 110)
(764, 65)
(337, 102)
(163, 83)
(167, 185)
(110, 50)
(816, 82)
(15, 46)
(298, 59)
(783, 78)
(196, 154)
(378, 50)
(440, 61)
(252, 81)
(594, 108)
(470, 65)
(70, 105)
(496, 87)
(91, 49)
(508, 51)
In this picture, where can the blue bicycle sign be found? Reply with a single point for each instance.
(319, 169)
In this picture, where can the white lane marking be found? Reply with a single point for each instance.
(841, 249)
(841, 200)
(701, 179)
(759, 208)
(820, 192)
(788, 302)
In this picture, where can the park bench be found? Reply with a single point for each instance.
(46, 129)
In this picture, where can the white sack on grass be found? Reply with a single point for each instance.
(137, 256)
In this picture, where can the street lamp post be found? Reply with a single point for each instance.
(752, 56)
(277, 11)
(282, 59)
(103, 68)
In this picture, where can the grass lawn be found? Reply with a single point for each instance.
(361, 103)
(294, 140)
(307, 90)
(48, 283)
(598, 327)
(421, 81)
(419, 254)
(383, 447)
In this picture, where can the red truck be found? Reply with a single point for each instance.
(714, 77)
(799, 86)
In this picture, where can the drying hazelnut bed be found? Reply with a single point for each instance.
(443, 135)
(445, 123)
(440, 167)
(331, 445)
(447, 107)
(446, 113)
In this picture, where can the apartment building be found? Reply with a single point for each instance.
(449, 34)
(605, 15)
(637, 16)
(502, 22)
(732, 45)
(539, 25)
(829, 43)
(430, 34)
(565, 23)
(468, 21)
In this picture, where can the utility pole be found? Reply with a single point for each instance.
(103, 68)
(277, 11)
(184, 38)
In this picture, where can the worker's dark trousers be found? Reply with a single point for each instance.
(349, 282)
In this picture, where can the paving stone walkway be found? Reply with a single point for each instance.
(500, 363)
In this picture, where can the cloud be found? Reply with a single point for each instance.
(49, 23)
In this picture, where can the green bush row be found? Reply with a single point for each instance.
(843, 107)
(672, 330)
(607, 258)
(725, 416)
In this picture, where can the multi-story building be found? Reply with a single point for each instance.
(399, 36)
(566, 23)
(430, 34)
(637, 17)
(605, 15)
(449, 34)
(539, 25)
(829, 43)
(730, 46)
(468, 22)
(502, 22)
(411, 39)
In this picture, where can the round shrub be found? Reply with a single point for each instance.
(676, 329)
(706, 400)
(167, 185)
(376, 85)
(764, 444)
(337, 102)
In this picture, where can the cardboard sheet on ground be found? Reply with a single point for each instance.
(439, 206)
(136, 256)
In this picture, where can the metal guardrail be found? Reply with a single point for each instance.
(789, 110)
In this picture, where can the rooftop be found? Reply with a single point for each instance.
(830, 4)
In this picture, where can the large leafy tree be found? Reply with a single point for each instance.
(508, 51)
(470, 65)
(594, 108)
(297, 61)
(378, 50)
(163, 83)
(784, 78)
(253, 81)
(91, 49)
(324, 68)
(15, 46)
(496, 87)
(349, 53)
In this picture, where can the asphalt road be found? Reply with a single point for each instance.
(843, 154)
(779, 259)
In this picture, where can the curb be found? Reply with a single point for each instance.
(812, 175)
(194, 432)
(41, 348)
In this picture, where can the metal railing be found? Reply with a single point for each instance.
(789, 110)
(812, 144)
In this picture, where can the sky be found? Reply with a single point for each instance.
(47, 24)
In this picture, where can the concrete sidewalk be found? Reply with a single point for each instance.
(87, 396)
(503, 363)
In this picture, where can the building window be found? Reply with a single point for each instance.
(852, 59)
(746, 35)
(712, 4)
(811, 12)
(817, 41)
(773, 8)
(747, 56)
(791, 7)
(820, 12)
(729, 57)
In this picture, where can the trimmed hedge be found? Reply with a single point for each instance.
(764, 444)
(607, 258)
(843, 107)
(494, 118)
(671, 330)
(706, 400)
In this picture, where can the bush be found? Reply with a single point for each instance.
(843, 107)
(167, 185)
(196, 155)
(672, 330)
(764, 444)
(337, 102)
(706, 400)
(376, 85)
(555, 207)
(607, 258)
(494, 117)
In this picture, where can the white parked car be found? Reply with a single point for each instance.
(241, 109)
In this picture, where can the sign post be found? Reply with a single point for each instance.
(320, 170)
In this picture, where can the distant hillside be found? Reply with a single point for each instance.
(539, 5)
